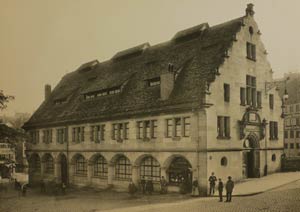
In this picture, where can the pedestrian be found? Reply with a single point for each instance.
(132, 189)
(229, 189)
(195, 190)
(143, 184)
(63, 188)
(212, 183)
(149, 186)
(24, 190)
(220, 189)
(163, 185)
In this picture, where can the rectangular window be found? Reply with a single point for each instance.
(147, 129)
(273, 130)
(223, 127)
(78, 134)
(292, 135)
(35, 136)
(297, 145)
(291, 146)
(243, 96)
(186, 122)
(154, 128)
(61, 135)
(47, 136)
(297, 134)
(285, 146)
(120, 131)
(271, 101)
(251, 51)
(286, 134)
(226, 92)
(97, 133)
(140, 129)
(177, 127)
(297, 108)
(251, 95)
(258, 99)
(169, 128)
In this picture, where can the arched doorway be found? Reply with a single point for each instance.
(63, 168)
(251, 157)
(180, 172)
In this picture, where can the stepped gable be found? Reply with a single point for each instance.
(196, 52)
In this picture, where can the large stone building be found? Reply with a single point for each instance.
(290, 83)
(181, 109)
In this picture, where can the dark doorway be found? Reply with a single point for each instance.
(64, 169)
(252, 159)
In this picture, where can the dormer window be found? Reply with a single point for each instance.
(153, 82)
(60, 101)
(105, 92)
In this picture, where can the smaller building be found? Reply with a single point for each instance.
(292, 130)
(7, 159)
(12, 150)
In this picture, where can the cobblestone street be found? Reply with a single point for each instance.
(285, 198)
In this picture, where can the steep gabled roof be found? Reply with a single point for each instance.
(198, 58)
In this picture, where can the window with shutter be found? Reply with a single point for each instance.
(243, 96)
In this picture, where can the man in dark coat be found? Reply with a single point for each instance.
(143, 184)
(149, 186)
(212, 183)
(220, 189)
(229, 189)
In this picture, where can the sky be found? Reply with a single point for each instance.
(42, 40)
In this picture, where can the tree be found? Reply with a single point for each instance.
(4, 99)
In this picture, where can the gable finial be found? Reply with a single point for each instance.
(249, 10)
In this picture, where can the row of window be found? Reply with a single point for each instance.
(292, 146)
(292, 134)
(223, 128)
(249, 94)
(292, 108)
(292, 121)
(147, 129)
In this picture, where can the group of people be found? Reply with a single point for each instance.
(62, 186)
(147, 186)
(229, 187)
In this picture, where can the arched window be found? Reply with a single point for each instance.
(35, 164)
(273, 157)
(224, 161)
(100, 167)
(179, 171)
(123, 168)
(48, 164)
(150, 168)
(80, 166)
(251, 30)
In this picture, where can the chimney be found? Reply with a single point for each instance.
(47, 91)
(249, 10)
(167, 82)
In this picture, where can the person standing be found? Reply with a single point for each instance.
(220, 189)
(143, 184)
(149, 186)
(63, 188)
(132, 189)
(212, 183)
(229, 189)
(195, 189)
(163, 185)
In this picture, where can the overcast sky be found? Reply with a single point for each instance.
(41, 40)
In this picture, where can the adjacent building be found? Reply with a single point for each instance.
(291, 84)
(196, 104)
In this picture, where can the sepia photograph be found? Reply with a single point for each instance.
(149, 106)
